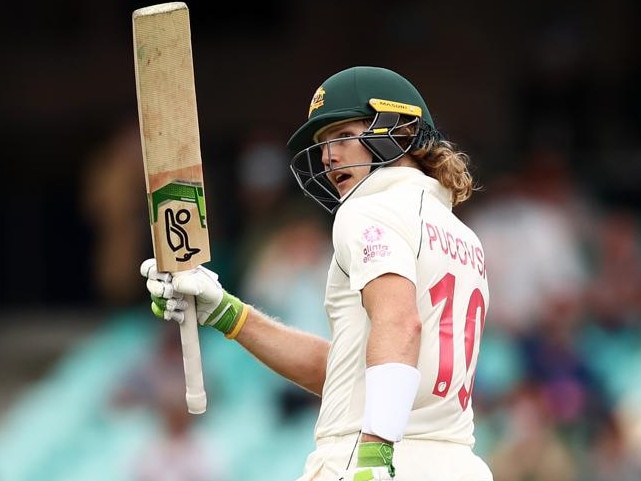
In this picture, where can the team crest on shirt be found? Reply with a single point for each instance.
(374, 248)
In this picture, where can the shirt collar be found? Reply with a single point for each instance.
(385, 178)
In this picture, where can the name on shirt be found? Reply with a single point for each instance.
(466, 253)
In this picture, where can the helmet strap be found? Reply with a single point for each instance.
(424, 133)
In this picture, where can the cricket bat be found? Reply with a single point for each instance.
(170, 137)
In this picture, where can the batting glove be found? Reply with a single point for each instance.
(215, 307)
(374, 463)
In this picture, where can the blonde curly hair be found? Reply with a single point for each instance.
(441, 160)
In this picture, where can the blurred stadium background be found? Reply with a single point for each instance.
(545, 98)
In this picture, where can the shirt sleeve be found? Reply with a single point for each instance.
(370, 241)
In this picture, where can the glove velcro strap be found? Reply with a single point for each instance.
(240, 323)
(226, 316)
(372, 454)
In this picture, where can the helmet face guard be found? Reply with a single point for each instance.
(380, 138)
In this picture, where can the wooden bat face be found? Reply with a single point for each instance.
(170, 136)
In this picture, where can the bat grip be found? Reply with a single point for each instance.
(195, 387)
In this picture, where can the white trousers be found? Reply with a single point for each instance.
(414, 460)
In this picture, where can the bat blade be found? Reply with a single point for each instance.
(170, 135)
(170, 138)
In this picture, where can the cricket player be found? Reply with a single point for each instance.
(406, 294)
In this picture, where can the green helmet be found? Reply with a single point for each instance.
(359, 92)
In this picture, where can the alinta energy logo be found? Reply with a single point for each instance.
(374, 248)
(318, 100)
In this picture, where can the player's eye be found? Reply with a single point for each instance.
(345, 135)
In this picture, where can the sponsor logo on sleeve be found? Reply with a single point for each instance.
(375, 246)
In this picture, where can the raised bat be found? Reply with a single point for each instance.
(170, 137)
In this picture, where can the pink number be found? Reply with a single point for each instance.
(443, 290)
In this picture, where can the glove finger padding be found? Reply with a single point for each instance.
(162, 289)
(146, 267)
(169, 309)
(149, 270)
(166, 303)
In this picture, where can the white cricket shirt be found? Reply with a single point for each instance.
(400, 221)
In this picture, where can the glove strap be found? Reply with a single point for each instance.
(240, 323)
(229, 316)
(372, 454)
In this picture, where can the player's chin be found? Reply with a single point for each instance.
(345, 186)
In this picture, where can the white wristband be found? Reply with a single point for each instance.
(390, 390)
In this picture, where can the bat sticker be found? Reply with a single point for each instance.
(179, 202)
(177, 236)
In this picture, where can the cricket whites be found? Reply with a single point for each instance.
(170, 138)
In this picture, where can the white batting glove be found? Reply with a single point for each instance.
(215, 307)
(165, 302)
(374, 463)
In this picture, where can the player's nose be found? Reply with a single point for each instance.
(327, 156)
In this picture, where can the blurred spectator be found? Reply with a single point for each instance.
(628, 416)
(611, 343)
(614, 301)
(547, 177)
(531, 449)
(264, 173)
(615, 289)
(286, 276)
(181, 452)
(500, 369)
(113, 198)
(555, 362)
(288, 270)
(609, 456)
(265, 187)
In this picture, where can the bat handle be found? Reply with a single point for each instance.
(195, 386)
